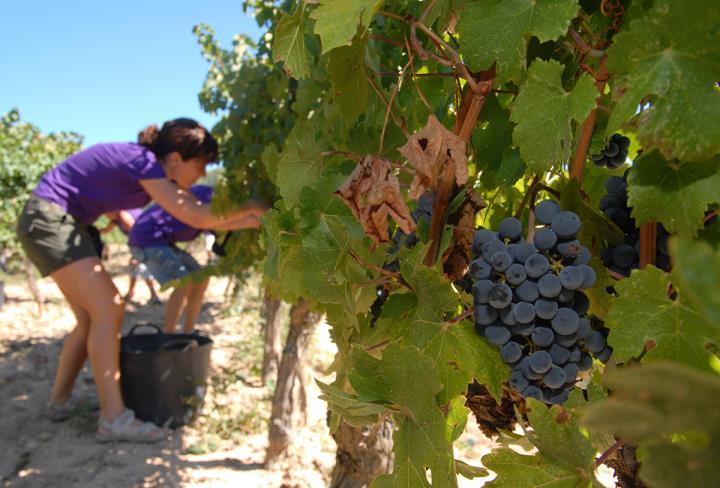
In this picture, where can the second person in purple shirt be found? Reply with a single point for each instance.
(153, 241)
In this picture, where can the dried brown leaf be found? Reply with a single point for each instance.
(458, 254)
(373, 193)
(430, 151)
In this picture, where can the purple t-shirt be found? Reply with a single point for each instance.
(155, 227)
(99, 179)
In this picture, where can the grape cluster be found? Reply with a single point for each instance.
(422, 216)
(527, 301)
(614, 154)
(626, 257)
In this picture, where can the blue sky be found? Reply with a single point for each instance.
(108, 68)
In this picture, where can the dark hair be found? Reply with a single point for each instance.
(185, 136)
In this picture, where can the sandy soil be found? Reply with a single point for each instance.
(224, 447)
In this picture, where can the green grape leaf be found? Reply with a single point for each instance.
(346, 70)
(674, 192)
(270, 158)
(498, 31)
(301, 163)
(493, 135)
(461, 355)
(594, 223)
(346, 405)
(697, 275)
(289, 44)
(512, 168)
(543, 112)
(676, 68)
(436, 297)
(282, 264)
(565, 456)
(643, 313)
(671, 412)
(421, 438)
(336, 21)
(470, 472)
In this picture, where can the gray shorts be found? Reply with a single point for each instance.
(166, 263)
(51, 237)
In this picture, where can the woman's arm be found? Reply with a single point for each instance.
(125, 220)
(189, 210)
(249, 222)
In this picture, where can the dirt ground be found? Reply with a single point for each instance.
(224, 447)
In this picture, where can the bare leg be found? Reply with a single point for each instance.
(88, 286)
(72, 356)
(174, 306)
(133, 279)
(194, 304)
(153, 294)
(131, 288)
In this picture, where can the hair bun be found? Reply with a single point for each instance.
(149, 136)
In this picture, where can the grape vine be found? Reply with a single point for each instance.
(480, 106)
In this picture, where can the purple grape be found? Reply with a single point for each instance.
(571, 371)
(544, 239)
(566, 321)
(549, 285)
(481, 291)
(480, 269)
(496, 335)
(480, 238)
(559, 354)
(545, 211)
(560, 397)
(501, 260)
(511, 229)
(533, 392)
(511, 352)
(556, 377)
(571, 277)
(528, 291)
(595, 342)
(540, 362)
(565, 224)
(524, 312)
(484, 314)
(524, 250)
(546, 309)
(536, 265)
(515, 274)
(500, 296)
(543, 336)
(517, 381)
(568, 340)
(589, 276)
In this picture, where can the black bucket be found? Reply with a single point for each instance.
(163, 376)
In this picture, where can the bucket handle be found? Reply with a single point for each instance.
(144, 324)
(189, 344)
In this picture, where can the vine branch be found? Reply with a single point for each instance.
(444, 191)
(648, 243)
(398, 121)
(534, 187)
(368, 265)
(412, 68)
(611, 450)
(578, 164)
(396, 89)
(467, 313)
